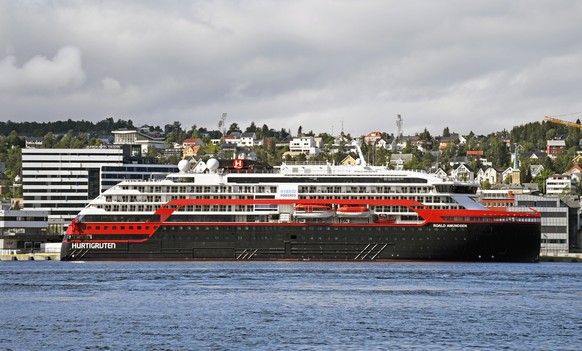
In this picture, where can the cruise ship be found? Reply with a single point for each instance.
(239, 210)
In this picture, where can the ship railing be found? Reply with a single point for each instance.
(304, 163)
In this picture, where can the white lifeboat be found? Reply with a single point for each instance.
(313, 211)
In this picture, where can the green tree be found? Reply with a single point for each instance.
(48, 141)
(573, 136)
(65, 141)
(446, 132)
(252, 128)
(194, 132)
(14, 162)
(233, 128)
(425, 135)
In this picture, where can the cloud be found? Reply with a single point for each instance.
(42, 75)
(481, 65)
(111, 86)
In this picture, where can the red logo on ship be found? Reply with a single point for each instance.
(238, 163)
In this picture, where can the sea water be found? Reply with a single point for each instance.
(53, 305)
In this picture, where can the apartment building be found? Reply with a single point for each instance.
(64, 181)
(560, 221)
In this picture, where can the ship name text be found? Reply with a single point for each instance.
(98, 246)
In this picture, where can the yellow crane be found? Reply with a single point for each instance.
(560, 121)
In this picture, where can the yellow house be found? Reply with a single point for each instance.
(348, 161)
(191, 147)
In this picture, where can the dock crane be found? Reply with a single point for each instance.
(566, 123)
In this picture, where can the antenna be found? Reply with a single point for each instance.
(221, 126)
(399, 123)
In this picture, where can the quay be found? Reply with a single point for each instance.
(561, 257)
(36, 256)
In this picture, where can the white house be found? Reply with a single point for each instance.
(231, 139)
(575, 172)
(304, 144)
(489, 174)
(398, 160)
(439, 172)
(246, 140)
(462, 173)
(535, 170)
(133, 137)
(372, 137)
(507, 173)
(559, 184)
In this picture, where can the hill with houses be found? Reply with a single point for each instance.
(534, 152)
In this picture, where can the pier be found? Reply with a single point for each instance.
(7, 255)
(561, 257)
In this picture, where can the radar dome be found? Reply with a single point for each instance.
(184, 166)
(212, 164)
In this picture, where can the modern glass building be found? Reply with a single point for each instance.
(63, 181)
(560, 221)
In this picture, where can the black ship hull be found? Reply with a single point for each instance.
(488, 242)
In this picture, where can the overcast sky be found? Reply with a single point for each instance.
(480, 66)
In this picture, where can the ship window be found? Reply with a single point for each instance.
(130, 227)
(122, 227)
(98, 227)
(114, 227)
(105, 227)
(139, 227)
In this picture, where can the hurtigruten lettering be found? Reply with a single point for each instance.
(98, 246)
